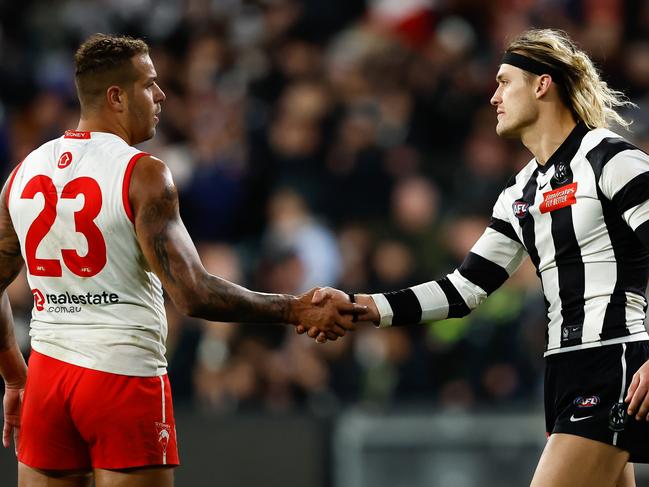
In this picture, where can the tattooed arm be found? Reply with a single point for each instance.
(172, 255)
(12, 365)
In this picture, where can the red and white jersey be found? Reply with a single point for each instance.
(96, 302)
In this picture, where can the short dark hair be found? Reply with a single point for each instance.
(102, 61)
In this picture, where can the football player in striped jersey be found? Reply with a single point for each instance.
(580, 210)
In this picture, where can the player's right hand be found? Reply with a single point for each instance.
(638, 394)
(12, 405)
(330, 319)
(370, 315)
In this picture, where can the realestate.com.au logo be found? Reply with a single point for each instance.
(39, 300)
(69, 303)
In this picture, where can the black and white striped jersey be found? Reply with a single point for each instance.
(583, 218)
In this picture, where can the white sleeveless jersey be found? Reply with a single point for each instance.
(96, 302)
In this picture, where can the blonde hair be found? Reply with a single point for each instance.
(589, 98)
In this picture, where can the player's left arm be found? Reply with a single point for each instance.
(625, 182)
(12, 365)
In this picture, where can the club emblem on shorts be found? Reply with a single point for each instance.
(65, 160)
(586, 401)
(39, 300)
(520, 208)
(164, 435)
(617, 417)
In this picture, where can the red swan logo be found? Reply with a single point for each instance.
(39, 300)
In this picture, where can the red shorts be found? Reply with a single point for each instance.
(78, 418)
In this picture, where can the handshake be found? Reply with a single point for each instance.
(327, 313)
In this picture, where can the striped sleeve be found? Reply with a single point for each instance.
(624, 180)
(493, 258)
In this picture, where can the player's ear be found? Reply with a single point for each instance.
(116, 98)
(543, 84)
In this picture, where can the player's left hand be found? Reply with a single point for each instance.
(12, 405)
(638, 394)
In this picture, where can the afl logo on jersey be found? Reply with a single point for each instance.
(65, 160)
(520, 208)
(39, 300)
(586, 402)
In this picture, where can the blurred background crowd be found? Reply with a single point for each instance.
(347, 143)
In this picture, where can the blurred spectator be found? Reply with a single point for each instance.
(293, 229)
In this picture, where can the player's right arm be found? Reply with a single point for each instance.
(12, 365)
(171, 254)
(491, 261)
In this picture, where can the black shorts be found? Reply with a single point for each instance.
(584, 394)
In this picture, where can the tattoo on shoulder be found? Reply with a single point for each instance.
(160, 209)
(158, 215)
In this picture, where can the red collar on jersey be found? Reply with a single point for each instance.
(75, 134)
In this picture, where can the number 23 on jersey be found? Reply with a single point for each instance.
(84, 222)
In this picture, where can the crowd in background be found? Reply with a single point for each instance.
(348, 143)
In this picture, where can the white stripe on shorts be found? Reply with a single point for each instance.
(164, 416)
(623, 385)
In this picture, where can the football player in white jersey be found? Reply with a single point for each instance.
(97, 223)
(580, 210)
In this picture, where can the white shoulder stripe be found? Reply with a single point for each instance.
(621, 169)
(593, 138)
